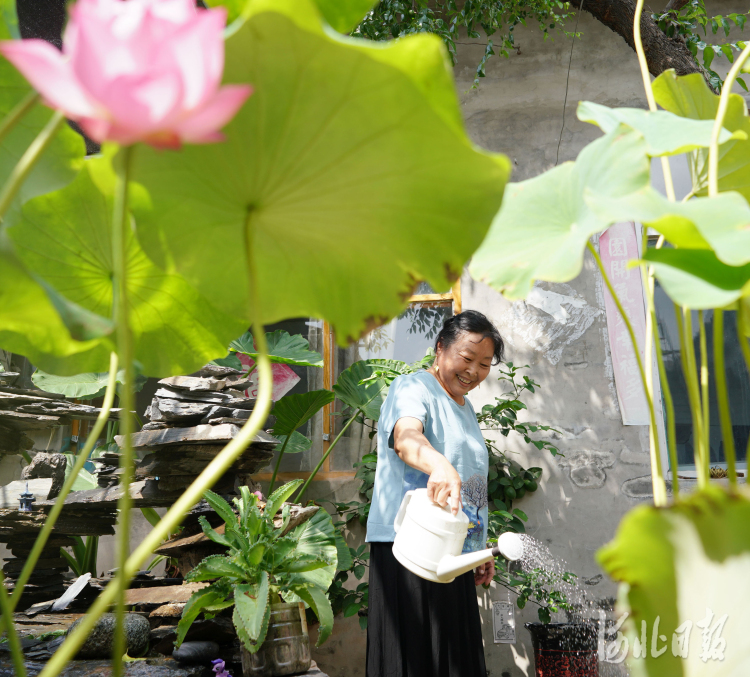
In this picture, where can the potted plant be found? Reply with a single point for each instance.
(267, 572)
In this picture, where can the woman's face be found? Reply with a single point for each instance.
(464, 364)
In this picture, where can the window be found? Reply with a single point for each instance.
(738, 384)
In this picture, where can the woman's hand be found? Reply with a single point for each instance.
(484, 573)
(444, 486)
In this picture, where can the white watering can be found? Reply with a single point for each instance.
(429, 540)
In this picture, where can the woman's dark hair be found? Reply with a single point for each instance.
(473, 322)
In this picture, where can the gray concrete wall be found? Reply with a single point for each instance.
(518, 109)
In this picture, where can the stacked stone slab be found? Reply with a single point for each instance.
(47, 580)
(190, 420)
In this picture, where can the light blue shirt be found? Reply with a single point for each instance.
(449, 427)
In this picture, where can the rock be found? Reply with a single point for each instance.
(167, 410)
(218, 372)
(100, 641)
(19, 421)
(168, 594)
(193, 383)
(47, 465)
(196, 653)
(197, 434)
(13, 441)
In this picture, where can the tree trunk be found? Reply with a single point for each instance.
(662, 53)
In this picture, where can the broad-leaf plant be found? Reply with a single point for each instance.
(265, 564)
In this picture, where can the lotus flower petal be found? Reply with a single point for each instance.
(142, 70)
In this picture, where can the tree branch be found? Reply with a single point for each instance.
(662, 52)
(676, 5)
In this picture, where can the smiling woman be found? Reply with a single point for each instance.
(428, 436)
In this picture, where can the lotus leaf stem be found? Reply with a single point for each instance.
(657, 479)
(18, 112)
(121, 312)
(722, 397)
(721, 113)
(16, 651)
(28, 160)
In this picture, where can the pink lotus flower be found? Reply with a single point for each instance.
(141, 70)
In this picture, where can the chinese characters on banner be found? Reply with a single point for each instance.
(617, 246)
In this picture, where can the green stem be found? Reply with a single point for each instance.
(746, 354)
(16, 651)
(722, 397)
(278, 463)
(713, 148)
(192, 494)
(657, 479)
(121, 307)
(643, 63)
(704, 386)
(27, 162)
(327, 454)
(690, 370)
(18, 112)
(49, 523)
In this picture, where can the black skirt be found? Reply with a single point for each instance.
(417, 628)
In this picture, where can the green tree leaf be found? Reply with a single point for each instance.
(175, 329)
(665, 133)
(327, 170)
(293, 411)
(251, 605)
(195, 605)
(369, 396)
(317, 537)
(277, 498)
(689, 96)
(544, 224)
(283, 348)
(297, 444)
(343, 554)
(677, 564)
(321, 606)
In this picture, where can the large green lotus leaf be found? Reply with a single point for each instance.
(679, 565)
(696, 278)
(59, 163)
(31, 326)
(348, 169)
(719, 223)
(292, 411)
(689, 96)
(544, 224)
(283, 348)
(65, 238)
(81, 386)
(665, 132)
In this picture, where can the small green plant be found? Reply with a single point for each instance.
(264, 565)
(83, 559)
(538, 586)
(352, 601)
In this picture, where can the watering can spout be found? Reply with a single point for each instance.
(509, 545)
